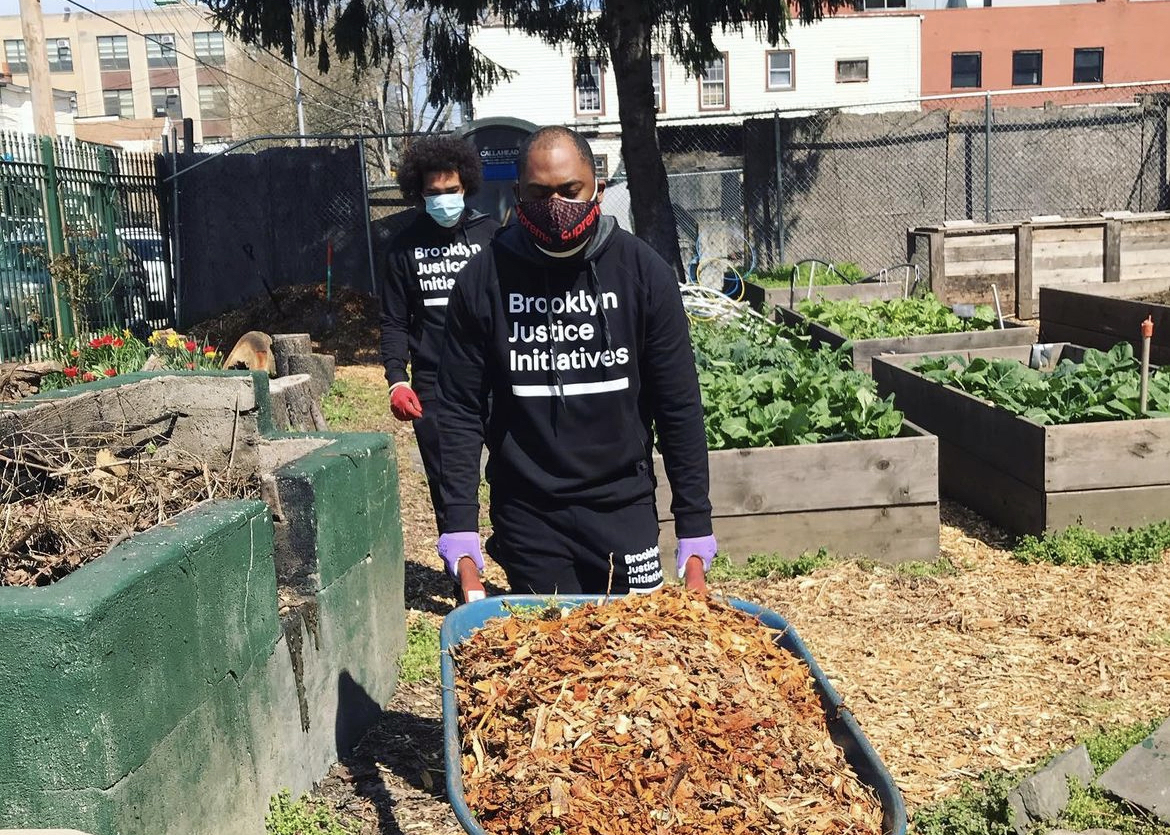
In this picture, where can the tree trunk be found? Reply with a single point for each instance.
(629, 49)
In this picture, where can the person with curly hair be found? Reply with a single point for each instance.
(422, 265)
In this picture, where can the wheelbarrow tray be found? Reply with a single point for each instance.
(843, 728)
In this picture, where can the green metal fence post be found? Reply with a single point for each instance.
(55, 236)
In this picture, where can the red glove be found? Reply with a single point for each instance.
(404, 403)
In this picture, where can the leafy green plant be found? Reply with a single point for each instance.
(856, 319)
(1080, 546)
(1104, 386)
(768, 566)
(762, 389)
(420, 661)
(305, 816)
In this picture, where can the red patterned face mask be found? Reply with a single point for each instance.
(557, 224)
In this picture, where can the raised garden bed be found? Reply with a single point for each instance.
(863, 350)
(805, 455)
(178, 680)
(1087, 317)
(1025, 476)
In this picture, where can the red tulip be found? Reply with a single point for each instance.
(190, 346)
(118, 343)
(107, 339)
(111, 372)
(88, 377)
(70, 371)
(95, 343)
(190, 366)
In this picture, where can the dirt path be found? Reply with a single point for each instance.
(990, 666)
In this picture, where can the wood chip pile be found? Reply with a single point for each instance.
(665, 713)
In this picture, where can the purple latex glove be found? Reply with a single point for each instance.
(703, 547)
(454, 546)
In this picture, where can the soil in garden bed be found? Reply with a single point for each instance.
(302, 308)
(67, 501)
(668, 710)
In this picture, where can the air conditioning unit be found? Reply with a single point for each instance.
(62, 43)
(167, 39)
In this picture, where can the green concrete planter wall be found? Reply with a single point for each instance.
(158, 689)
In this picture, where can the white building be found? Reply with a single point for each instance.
(16, 113)
(858, 61)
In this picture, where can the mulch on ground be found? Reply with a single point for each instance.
(991, 666)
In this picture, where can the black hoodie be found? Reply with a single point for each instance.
(423, 261)
(579, 355)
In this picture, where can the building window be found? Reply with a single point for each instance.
(209, 48)
(852, 70)
(165, 101)
(16, 57)
(1027, 68)
(871, 5)
(587, 85)
(966, 69)
(60, 55)
(160, 51)
(780, 70)
(713, 85)
(213, 102)
(657, 71)
(601, 165)
(113, 52)
(119, 103)
(1088, 66)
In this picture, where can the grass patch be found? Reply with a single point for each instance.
(420, 661)
(981, 808)
(942, 567)
(1160, 638)
(768, 567)
(301, 817)
(350, 406)
(1080, 546)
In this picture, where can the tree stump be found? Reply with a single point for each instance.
(285, 345)
(322, 368)
(293, 404)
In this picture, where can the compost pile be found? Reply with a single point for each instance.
(68, 500)
(346, 326)
(664, 713)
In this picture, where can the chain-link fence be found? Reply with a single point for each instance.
(81, 246)
(848, 186)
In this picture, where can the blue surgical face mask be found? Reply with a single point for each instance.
(445, 209)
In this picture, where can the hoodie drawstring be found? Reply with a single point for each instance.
(548, 318)
(595, 289)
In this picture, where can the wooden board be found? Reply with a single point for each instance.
(1127, 288)
(864, 350)
(1103, 322)
(1121, 453)
(1102, 510)
(989, 491)
(887, 534)
(813, 477)
(1001, 440)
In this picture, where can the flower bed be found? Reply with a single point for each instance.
(898, 326)
(1039, 438)
(253, 639)
(805, 454)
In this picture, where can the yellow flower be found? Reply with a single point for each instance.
(126, 333)
(172, 340)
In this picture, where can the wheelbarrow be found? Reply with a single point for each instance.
(843, 728)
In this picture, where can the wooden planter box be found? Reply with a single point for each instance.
(873, 498)
(1029, 478)
(864, 350)
(1087, 317)
(873, 291)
